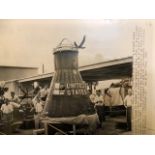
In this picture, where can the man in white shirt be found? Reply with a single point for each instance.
(7, 109)
(98, 100)
(38, 106)
(92, 97)
(128, 101)
(14, 97)
(44, 92)
(99, 105)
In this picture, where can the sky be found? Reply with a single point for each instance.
(31, 42)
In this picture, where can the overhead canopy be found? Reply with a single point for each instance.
(114, 69)
(106, 70)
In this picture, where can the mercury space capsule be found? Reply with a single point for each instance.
(68, 95)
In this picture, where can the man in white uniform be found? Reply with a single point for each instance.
(14, 97)
(99, 105)
(44, 92)
(38, 111)
(7, 109)
(128, 101)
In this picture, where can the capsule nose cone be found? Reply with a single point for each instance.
(64, 45)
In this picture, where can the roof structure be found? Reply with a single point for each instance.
(106, 70)
(3, 66)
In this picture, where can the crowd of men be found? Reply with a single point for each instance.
(103, 102)
(10, 102)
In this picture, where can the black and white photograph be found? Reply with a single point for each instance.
(75, 77)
